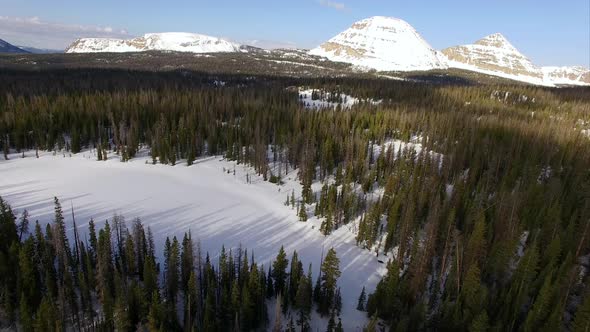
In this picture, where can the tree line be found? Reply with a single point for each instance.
(110, 279)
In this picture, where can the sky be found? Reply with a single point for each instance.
(549, 32)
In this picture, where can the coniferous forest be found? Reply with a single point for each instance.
(485, 228)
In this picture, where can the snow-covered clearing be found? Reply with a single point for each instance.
(325, 99)
(219, 209)
(396, 146)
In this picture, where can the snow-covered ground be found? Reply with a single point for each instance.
(219, 208)
(345, 101)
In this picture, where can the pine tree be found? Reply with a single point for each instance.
(475, 249)
(326, 226)
(171, 271)
(105, 279)
(541, 307)
(302, 213)
(47, 318)
(187, 261)
(303, 300)
(156, 313)
(295, 274)
(361, 301)
(472, 294)
(209, 322)
(330, 274)
(23, 226)
(150, 277)
(191, 307)
(93, 240)
(279, 274)
(25, 314)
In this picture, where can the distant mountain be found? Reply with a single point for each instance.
(5, 47)
(381, 43)
(567, 75)
(170, 41)
(494, 55)
(35, 50)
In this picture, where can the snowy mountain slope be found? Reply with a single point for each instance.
(576, 75)
(219, 208)
(6, 47)
(169, 41)
(494, 55)
(381, 43)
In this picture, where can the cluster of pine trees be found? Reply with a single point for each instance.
(112, 280)
(486, 226)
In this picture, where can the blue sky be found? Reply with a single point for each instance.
(550, 32)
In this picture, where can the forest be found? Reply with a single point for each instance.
(113, 281)
(485, 228)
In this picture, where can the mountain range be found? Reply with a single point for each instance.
(379, 43)
(6, 47)
(390, 44)
(169, 41)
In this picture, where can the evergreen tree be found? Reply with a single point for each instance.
(330, 274)
(295, 274)
(302, 213)
(361, 301)
(279, 273)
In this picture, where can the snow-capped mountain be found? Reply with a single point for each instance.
(381, 43)
(6, 47)
(494, 55)
(567, 75)
(170, 41)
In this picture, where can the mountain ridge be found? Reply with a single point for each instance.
(495, 55)
(6, 47)
(166, 41)
(385, 44)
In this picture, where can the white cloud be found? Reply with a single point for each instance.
(332, 4)
(32, 31)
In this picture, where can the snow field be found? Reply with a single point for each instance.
(218, 207)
